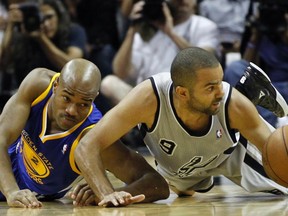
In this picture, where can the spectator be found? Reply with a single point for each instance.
(267, 46)
(151, 44)
(230, 17)
(51, 44)
(3, 21)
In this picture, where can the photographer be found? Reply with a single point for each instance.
(158, 31)
(39, 36)
(266, 44)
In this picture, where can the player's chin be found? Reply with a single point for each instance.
(66, 124)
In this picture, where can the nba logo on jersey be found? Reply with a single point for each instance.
(64, 148)
(218, 133)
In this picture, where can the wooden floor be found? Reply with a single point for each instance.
(225, 199)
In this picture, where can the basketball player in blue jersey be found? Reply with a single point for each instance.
(40, 128)
(195, 125)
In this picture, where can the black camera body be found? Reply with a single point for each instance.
(31, 16)
(272, 16)
(152, 10)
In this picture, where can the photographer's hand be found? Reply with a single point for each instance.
(168, 24)
(14, 14)
(37, 34)
(136, 12)
(122, 62)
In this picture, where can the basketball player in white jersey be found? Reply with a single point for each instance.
(195, 125)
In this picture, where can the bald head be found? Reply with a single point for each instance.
(82, 74)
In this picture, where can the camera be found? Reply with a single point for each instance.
(271, 16)
(31, 16)
(152, 10)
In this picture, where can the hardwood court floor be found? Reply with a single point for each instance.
(225, 199)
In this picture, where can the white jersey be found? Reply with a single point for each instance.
(188, 160)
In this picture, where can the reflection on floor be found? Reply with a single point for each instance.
(225, 199)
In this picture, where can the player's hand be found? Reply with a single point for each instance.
(23, 198)
(82, 195)
(120, 198)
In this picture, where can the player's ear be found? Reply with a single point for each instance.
(55, 84)
(182, 92)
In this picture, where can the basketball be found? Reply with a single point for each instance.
(275, 156)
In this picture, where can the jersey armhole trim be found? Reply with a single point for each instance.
(144, 126)
(231, 131)
(73, 147)
(45, 93)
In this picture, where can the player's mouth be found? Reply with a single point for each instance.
(216, 104)
(68, 121)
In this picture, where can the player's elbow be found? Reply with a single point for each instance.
(83, 151)
(159, 188)
(164, 189)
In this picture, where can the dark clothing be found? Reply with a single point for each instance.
(98, 17)
(274, 57)
(29, 55)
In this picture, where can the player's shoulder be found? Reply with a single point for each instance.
(140, 97)
(145, 87)
(39, 76)
(36, 81)
(237, 99)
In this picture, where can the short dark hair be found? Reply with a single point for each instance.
(188, 61)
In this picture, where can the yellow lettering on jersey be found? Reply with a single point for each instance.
(37, 165)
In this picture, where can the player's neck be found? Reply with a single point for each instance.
(194, 120)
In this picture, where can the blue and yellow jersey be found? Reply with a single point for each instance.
(45, 163)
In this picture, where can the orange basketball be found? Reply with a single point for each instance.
(275, 156)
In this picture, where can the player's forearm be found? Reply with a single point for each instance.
(90, 165)
(7, 180)
(153, 186)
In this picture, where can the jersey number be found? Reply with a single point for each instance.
(167, 146)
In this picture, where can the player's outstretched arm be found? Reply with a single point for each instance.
(139, 106)
(139, 176)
